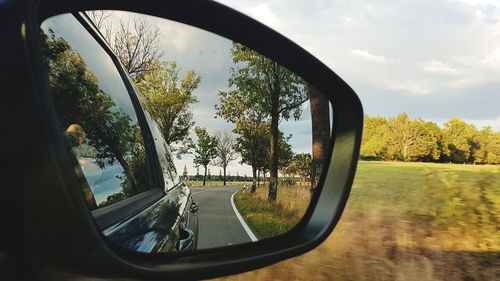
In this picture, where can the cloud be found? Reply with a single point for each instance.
(264, 14)
(411, 88)
(368, 56)
(439, 67)
(481, 123)
(485, 11)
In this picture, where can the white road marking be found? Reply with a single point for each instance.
(242, 221)
(214, 189)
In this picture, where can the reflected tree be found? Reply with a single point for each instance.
(226, 152)
(205, 150)
(79, 100)
(320, 118)
(267, 89)
(167, 99)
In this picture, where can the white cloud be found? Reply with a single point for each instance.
(265, 15)
(368, 56)
(494, 123)
(493, 58)
(447, 53)
(412, 88)
(439, 67)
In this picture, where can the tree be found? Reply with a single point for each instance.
(135, 42)
(375, 138)
(458, 136)
(408, 139)
(226, 152)
(489, 146)
(168, 100)
(100, 18)
(252, 144)
(320, 118)
(302, 165)
(270, 90)
(205, 150)
(185, 172)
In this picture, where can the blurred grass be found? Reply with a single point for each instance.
(382, 236)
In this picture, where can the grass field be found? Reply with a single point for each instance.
(407, 221)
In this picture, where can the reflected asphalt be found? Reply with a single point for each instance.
(217, 223)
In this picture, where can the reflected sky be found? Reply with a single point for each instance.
(209, 56)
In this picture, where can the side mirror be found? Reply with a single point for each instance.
(77, 242)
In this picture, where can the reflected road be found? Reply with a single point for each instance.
(218, 224)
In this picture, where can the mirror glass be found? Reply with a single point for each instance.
(238, 141)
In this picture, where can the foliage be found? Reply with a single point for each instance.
(464, 209)
(205, 150)
(264, 91)
(167, 100)
(405, 139)
(408, 139)
(226, 151)
(302, 165)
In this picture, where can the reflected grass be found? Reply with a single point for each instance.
(272, 219)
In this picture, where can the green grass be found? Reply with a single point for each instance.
(401, 185)
(395, 186)
(272, 219)
(403, 221)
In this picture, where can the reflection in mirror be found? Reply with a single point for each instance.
(247, 137)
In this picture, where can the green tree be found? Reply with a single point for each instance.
(438, 149)
(205, 150)
(408, 139)
(458, 136)
(375, 138)
(489, 146)
(167, 99)
(302, 165)
(252, 143)
(273, 90)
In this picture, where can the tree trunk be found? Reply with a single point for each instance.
(128, 173)
(254, 174)
(205, 176)
(258, 177)
(224, 175)
(273, 177)
(320, 116)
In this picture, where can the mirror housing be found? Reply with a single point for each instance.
(62, 237)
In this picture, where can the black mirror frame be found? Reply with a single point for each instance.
(63, 238)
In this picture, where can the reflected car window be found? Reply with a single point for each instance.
(95, 112)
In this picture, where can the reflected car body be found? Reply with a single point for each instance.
(165, 226)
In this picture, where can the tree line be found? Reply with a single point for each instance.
(402, 138)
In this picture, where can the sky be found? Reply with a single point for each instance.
(209, 56)
(431, 59)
